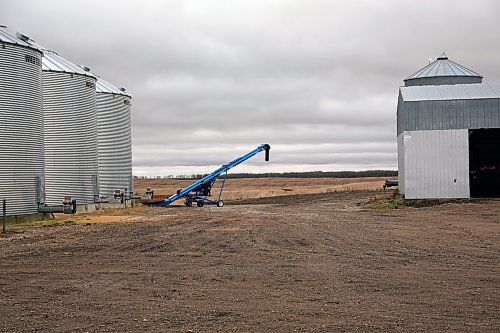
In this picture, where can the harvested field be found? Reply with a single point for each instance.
(311, 263)
(247, 188)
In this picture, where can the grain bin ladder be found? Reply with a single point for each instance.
(199, 191)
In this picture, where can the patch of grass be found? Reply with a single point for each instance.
(398, 201)
(49, 223)
(420, 203)
(392, 203)
(44, 223)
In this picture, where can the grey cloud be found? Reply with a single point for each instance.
(152, 156)
(210, 79)
(290, 135)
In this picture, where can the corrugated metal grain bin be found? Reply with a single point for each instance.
(114, 138)
(21, 123)
(70, 121)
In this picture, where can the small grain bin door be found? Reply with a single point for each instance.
(484, 162)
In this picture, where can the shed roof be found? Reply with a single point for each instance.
(103, 86)
(450, 92)
(443, 67)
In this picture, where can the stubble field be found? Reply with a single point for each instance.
(250, 188)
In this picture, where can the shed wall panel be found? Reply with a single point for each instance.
(401, 165)
(435, 164)
(448, 114)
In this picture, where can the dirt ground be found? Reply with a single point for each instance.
(311, 263)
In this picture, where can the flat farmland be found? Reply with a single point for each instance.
(249, 188)
(324, 262)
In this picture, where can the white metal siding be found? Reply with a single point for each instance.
(114, 143)
(436, 164)
(401, 164)
(70, 120)
(21, 127)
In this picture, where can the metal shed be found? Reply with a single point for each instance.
(449, 137)
(113, 138)
(70, 121)
(21, 124)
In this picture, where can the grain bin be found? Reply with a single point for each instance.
(113, 138)
(21, 124)
(70, 125)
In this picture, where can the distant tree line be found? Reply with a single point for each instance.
(310, 174)
(319, 174)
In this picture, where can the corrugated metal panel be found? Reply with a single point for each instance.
(450, 92)
(114, 141)
(442, 67)
(21, 128)
(448, 114)
(401, 164)
(436, 164)
(70, 120)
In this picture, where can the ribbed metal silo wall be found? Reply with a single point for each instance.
(114, 143)
(70, 123)
(21, 128)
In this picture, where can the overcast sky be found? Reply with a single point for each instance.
(317, 80)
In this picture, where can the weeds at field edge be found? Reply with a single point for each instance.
(398, 201)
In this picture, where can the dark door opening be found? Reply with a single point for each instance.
(484, 163)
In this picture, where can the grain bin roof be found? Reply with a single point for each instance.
(7, 36)
(104, 87)
(450, 92)
(53, 62)
(443, 67)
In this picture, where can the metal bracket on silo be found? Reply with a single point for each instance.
(40, 190)
(95, 185)
(4, 215)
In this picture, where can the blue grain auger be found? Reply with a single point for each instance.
(200, 191)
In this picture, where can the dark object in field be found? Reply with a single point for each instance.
(390, 183)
